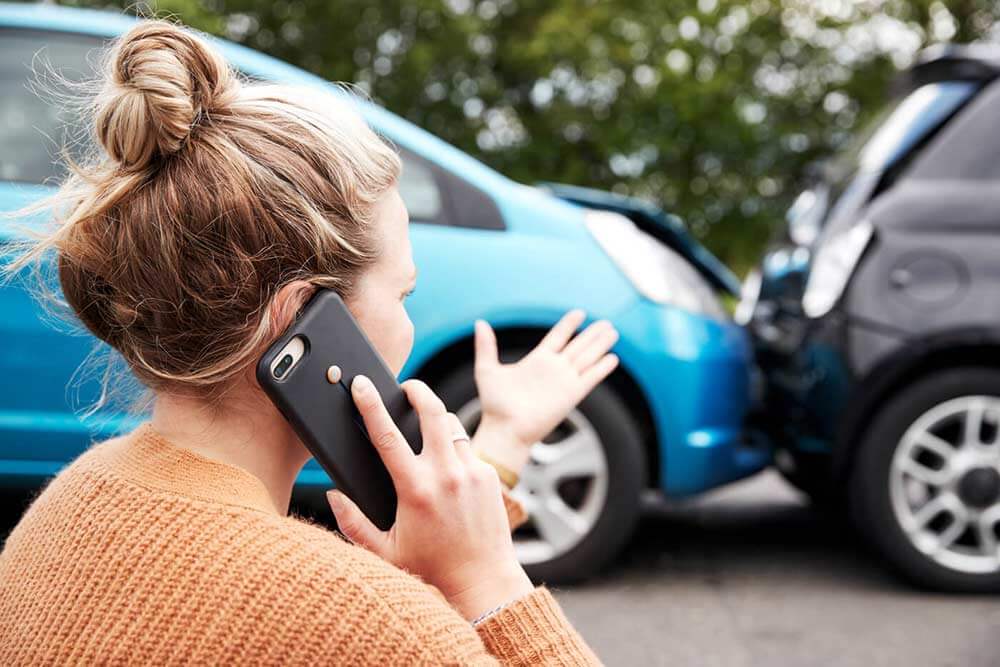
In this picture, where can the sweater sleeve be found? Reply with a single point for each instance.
(534, 631)
(411, 623)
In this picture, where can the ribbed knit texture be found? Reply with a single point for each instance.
(141, 552)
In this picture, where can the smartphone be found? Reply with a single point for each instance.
(295, 375)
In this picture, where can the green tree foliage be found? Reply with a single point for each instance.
(711, 108)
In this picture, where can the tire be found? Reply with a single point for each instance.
(810, 475)
(883, 497)
(613, 518)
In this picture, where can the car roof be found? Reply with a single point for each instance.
(951, 62)
(105, 24)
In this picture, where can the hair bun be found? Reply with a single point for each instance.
(161, 79)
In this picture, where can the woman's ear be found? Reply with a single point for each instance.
(286, 305)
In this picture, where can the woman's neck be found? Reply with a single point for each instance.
(244, 431)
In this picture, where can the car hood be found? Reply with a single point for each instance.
(652, 219)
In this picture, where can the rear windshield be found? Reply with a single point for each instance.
(900, 126)
(849, 179)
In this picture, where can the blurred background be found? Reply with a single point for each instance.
(711, 108)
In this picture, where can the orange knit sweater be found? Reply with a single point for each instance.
(141, 552)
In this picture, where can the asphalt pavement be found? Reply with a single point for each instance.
(750, 575)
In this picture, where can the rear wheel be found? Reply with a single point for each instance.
(581, 486)
(925, 487)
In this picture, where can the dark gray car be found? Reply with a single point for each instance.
(876, 320)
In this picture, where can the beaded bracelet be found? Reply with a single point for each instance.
(507, 476)
(491, 612)
(497, 609)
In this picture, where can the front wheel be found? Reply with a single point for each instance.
(580, 488)
(925, 485)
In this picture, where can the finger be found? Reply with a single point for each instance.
(599, 345)
(486, 345)
(559, 335)
(594, 375)
(355, 525)
(460, 438)
(435, 427)
(396, 454)
(584, 339)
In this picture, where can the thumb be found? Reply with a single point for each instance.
(486, 345)
(354, 524)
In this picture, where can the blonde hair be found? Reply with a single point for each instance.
(210, 194)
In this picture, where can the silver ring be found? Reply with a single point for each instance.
(460, 437)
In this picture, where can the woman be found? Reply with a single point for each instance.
(215, 209)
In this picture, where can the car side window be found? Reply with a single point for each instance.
(419, 189)
(34, 125)
(434, 195)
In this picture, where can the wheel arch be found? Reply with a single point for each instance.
(462, 350)
(978, 347)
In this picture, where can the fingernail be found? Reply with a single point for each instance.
(361, 385)
(335, 500)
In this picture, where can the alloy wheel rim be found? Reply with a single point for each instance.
(944, 483)
(562, 488)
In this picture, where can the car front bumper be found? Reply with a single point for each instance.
(697, 374)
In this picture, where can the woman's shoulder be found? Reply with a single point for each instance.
(96, 500)
(384, 603)
(325, 554)
(353, 602)
(238, 576)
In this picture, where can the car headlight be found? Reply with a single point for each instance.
(832, 267)
(749, 295)
(805, 216)
(657, 271)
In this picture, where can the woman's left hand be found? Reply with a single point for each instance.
(524, 401)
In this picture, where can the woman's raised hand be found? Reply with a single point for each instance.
(451, 527)
(522, 402)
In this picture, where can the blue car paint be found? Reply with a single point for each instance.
(693, 371)
(686, 365)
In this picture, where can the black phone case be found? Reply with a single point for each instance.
(323, 415)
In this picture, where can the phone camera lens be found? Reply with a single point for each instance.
(283, 366)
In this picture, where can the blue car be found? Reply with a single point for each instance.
(670, 419)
